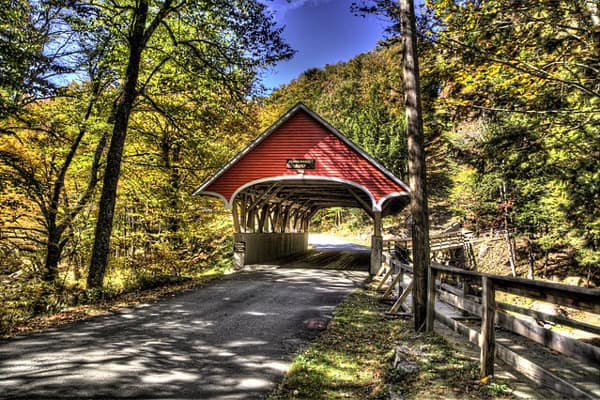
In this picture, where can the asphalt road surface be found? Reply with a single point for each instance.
(232, 339)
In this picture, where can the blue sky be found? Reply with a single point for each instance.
(322, 32)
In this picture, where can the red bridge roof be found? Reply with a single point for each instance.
(297, 140)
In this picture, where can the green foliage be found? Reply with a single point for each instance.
(511, 96)
(520, 80)
(497, 389)
(192, 113)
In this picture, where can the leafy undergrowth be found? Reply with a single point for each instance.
(106, 302)
(353, 359)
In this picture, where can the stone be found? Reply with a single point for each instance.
(574, 281)
(483, 250)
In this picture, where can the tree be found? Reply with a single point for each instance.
(229, 40)
(29, 61)
(528, 73)
(56, 128)
(416, 163)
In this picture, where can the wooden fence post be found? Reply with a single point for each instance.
(487, 340)
(430, 299)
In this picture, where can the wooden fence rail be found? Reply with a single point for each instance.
(571, 296)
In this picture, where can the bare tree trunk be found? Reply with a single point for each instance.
(113, 160)
(416, 163)
(509, 244)
(530, 258)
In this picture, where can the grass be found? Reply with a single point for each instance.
(353, 358)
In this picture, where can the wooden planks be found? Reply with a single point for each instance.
(551, 339)
(551, 318)
(528, 368)
(570, 296)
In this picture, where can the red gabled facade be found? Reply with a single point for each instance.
(301, 134)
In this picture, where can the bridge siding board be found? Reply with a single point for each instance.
(304, 137)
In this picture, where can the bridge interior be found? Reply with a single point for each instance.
(272, 218)
(287, 205)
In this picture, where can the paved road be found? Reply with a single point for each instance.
(232, 339)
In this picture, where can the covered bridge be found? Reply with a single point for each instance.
(300, 165)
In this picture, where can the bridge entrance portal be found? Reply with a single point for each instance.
(297, 167)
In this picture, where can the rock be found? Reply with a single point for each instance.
(402, 362)
(395, 396)
(574, 281)
(483, 250)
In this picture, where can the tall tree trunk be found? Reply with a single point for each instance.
(53, 251)
(509, 240)
(416, 162)
(530, 257)
(121, 114)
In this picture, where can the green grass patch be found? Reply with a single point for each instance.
(353, 359)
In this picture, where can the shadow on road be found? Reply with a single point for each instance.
(229, 340)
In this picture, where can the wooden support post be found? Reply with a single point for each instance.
(250, 220)
(376, 244)
(262, 219)
(432, 273)
(243, 216)
(236, 220)
(487, 339)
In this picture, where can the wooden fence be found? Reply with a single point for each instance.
(477, 297)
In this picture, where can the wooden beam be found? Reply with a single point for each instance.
(263, 195)
(551, 318)
(430, 300)
(234, 214)
(385, 278)
(402, 298)
(365, 206)
(263, 218)
(488, 335)
(391, 287)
